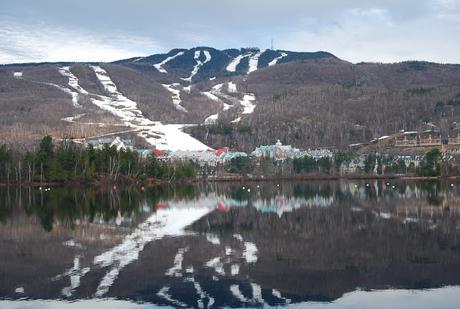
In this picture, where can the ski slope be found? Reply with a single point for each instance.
(73, 80)
(198, 64)
(162, 136)
(176, 99)
(275, 61)
(232, 87)
(248, 103)
(254, 62)
(231, 67)
(159, 66)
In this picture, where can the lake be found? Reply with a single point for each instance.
(320, 244)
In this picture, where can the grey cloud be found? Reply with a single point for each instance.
(356, 30)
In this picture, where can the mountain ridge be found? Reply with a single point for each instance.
(240, 97)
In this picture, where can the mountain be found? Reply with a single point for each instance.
(238, 97)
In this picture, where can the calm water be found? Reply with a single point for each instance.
(310, 244)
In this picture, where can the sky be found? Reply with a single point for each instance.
(107, 30)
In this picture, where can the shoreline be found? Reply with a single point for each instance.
(239, 178)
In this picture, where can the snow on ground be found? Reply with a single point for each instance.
(213, 238)
(248, 103)
(117, 104)
(199, 64)
(232, 87)
(250, 252)
(211, 119)
(172, 138)
(165, 222)
(217, 87)
(70, 92)
(231, 67)
(254, 62)
(217, 91)
(175, 96)
(74, 119)
(73, 80)
(215, 94)
(162, 136)
(73, 83)
(159, 66)
(210, 95)
(275, 61)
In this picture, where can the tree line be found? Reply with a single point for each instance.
(70, 162)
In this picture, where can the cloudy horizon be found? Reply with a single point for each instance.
(375, 31)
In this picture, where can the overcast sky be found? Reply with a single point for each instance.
(105, 30)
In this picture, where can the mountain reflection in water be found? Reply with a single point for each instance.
(229, 245)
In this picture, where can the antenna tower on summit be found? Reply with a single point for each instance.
(272, 46)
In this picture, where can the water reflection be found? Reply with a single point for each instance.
(232, 244)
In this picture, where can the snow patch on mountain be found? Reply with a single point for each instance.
(216, 95)
(248, 103)
(210, 95)
(176, 99)
(211, 119)
(199, 64)
(254, 62)
(171, 137)
(217, 91)
(159, 66)
(275, 61)
(231, 67)
(73, 80)
(232, 87)
(162, 136)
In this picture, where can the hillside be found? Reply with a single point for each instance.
(239, 98)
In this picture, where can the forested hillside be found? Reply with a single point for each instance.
(238, 98)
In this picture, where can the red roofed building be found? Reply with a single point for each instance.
(222, 150)
(157, 153)
(222, 207)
